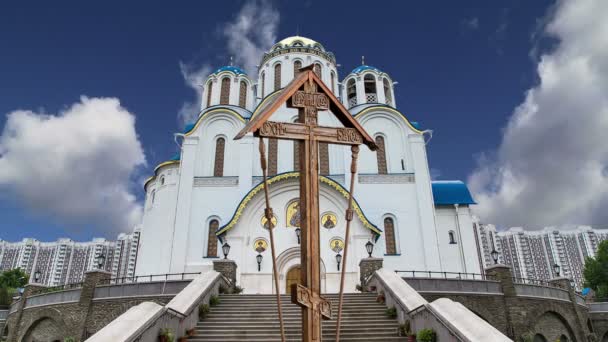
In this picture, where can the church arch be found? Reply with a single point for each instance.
(47, 325)
(452, 237)
(388, 94)
(277, 76)
(243, 94)
(390, 234)
(289, 259)
(218, 164)
(209, 92)
(212, 225)
(332, 81)
(225, 91)
(351, 92)
(369, 86)
(381, 161)
(539, 338)
(263, 81)
(297, 65)
(551, 325)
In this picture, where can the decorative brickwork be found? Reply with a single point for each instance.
(209, 90)
(243, 94)
(212, 239)
(389, 235)
(273, 153)
(324, 159)
(367, 267)
(381, 155)
(218, 168)
(277, 76)
(296, 156)
(227, 268)
(296, 66)
(225, 91)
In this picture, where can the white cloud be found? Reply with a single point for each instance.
(195, 78)
(471, 23)
(251, 33)
(551, 166)
(75, 166)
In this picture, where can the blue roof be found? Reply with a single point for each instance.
(232, 69)
(189, 127)
(361, 68)
(451, 192)
(175, 157)
(416, 124)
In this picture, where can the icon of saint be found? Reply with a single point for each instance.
(329, 222)
(294, 220)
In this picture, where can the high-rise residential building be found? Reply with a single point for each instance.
(65, 261)
(533, 253)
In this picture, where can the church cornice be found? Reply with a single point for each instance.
(390, 110)
(294, 175)
(211, 110)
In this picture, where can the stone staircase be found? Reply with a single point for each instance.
(255, 318)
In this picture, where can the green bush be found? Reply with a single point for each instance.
(426, 335)
(203, 311)
(69, 339)
(214, 300)
(5, 297)
(391, 312)
(167, 334)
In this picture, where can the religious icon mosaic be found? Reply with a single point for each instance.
(293, 214)
(260, 245)
(336, 244)
(329, 220)
(264, 222)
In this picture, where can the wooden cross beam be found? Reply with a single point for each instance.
(320, 306)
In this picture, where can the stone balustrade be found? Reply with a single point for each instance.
(66, 296)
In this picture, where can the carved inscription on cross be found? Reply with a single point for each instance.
(321, 307)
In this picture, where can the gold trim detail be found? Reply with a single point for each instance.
(330, 182)
(200, 118)
(167, 163)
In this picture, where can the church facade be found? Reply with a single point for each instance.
(210, 194)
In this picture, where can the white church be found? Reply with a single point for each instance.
(210, 194)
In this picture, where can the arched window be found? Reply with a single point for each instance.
(296, 68)
(324, 159)
(152, 196)
(369, 84)
(209, 89)
(277, 76)
(332, 78)
(296, 155)
(243, 94)
(351, 93)
(317, 70)
(381, 155)
(225, 91)
(162, 180)
(273, 151)
(263, 83)
(389, 235)
(212, 238)
(218, 168)
(452, 237)
(387, 92)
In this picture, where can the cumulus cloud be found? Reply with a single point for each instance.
(74, 166)
(551, 166)
(251, 32)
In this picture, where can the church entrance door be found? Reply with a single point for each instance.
(293, 277)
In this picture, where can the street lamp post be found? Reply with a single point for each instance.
(258, 258)
(494, 254)
(298, 232)
(37, 275)
(101, 259)
(369, 246)
(225, 249)
(556, 269)
(339, 260)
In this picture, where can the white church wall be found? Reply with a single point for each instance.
(460, 256)
(218, 124)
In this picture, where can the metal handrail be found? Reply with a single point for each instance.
(147, 278)
(537, 282)
(446, 275)
(57, 288)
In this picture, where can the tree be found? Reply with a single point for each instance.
(596, 271)
(5, 297)
(13, 278)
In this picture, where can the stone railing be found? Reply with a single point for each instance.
(144, 321)
(598, 307)
(541, 291)
(66, 296)
(14, 306)
(142, 289)
(454, 285)
(3, 314)
(450, 320)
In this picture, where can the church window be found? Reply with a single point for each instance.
(263, 83)
(324, 159)
(452, 238)
(317, 70)
(152, 196)
(218, 168)
(225, 91)
(209, 88)
(369, 84)
(243, 94)
(389, 235)
(273, 150)
(212, 239)
(277, 76)
(332, 78)
(162, 180)
(296, 67)
(387, 92)
(351, 93)
(381, 155)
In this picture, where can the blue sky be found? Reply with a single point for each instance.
(462, 67)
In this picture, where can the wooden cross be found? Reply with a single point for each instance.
(303, 93)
